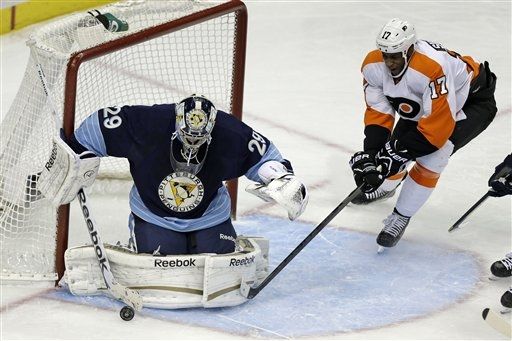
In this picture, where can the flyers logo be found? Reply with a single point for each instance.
(404, 107)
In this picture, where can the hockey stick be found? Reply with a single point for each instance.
(118, 291)
(505, 172)
(251, 292)
(130, 297)
(496, 322)
(456, 225)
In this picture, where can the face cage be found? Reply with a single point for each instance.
(191, 140)
(189, 154)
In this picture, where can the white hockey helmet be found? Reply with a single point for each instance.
(396, 36)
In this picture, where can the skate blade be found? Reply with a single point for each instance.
(381, 249)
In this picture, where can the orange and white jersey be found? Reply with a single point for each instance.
(432, 90)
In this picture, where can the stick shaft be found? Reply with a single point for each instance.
(468, 212)
(254, 291)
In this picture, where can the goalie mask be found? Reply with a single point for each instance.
(195, 119)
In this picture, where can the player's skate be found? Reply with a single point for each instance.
(506, 301)
(394, 228)
(378, 194)
(502, 268)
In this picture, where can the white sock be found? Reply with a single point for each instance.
(412, 197)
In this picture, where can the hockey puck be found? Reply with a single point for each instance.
(127, 313)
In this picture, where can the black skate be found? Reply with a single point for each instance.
(506, 299)
(394, 228)
(367, 198)
(503, 268)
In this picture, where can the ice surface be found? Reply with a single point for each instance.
(303, 90)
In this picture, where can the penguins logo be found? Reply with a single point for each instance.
(181, 191)
(196, 119)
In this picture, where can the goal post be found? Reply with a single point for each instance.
(170, 50)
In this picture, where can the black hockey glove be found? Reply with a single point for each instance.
(365, 171)
(393, 158)
(501, 180)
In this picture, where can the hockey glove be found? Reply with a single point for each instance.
(393, 158)
(279, 185)
(365, 171)
(501, 180)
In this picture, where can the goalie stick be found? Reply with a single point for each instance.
(251, 292)
(497, 322)
(118, 291)
(130, 297)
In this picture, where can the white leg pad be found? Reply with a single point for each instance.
(170, 282)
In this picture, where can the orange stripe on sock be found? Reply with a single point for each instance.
(423, 176)
(397, 176)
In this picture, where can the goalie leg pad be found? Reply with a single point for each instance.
(170, 282)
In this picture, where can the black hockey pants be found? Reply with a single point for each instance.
(480, 108)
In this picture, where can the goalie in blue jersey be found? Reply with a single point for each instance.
(179, 156)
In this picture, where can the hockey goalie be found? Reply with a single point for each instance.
(183, 250)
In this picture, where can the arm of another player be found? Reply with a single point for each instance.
(501, 180)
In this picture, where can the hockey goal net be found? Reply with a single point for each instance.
(170, 50)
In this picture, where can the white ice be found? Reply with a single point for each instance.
(303, 90)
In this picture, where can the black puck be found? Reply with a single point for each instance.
(127, 313)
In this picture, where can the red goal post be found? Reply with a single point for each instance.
(171, 49)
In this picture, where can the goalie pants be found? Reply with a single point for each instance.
(149, 238)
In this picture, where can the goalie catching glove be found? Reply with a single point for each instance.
(281, 186)
(66, 173)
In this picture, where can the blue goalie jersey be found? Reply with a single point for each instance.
(170, 198)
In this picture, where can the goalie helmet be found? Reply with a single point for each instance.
(195, 119)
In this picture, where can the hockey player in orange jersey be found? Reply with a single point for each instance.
(423, 103)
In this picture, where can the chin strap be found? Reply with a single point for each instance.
(406, 65)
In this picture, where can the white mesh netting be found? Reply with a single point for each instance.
(197, 59)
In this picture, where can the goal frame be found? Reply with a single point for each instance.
(76, 60)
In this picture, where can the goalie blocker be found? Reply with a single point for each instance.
(171, 282)
(66, 172)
